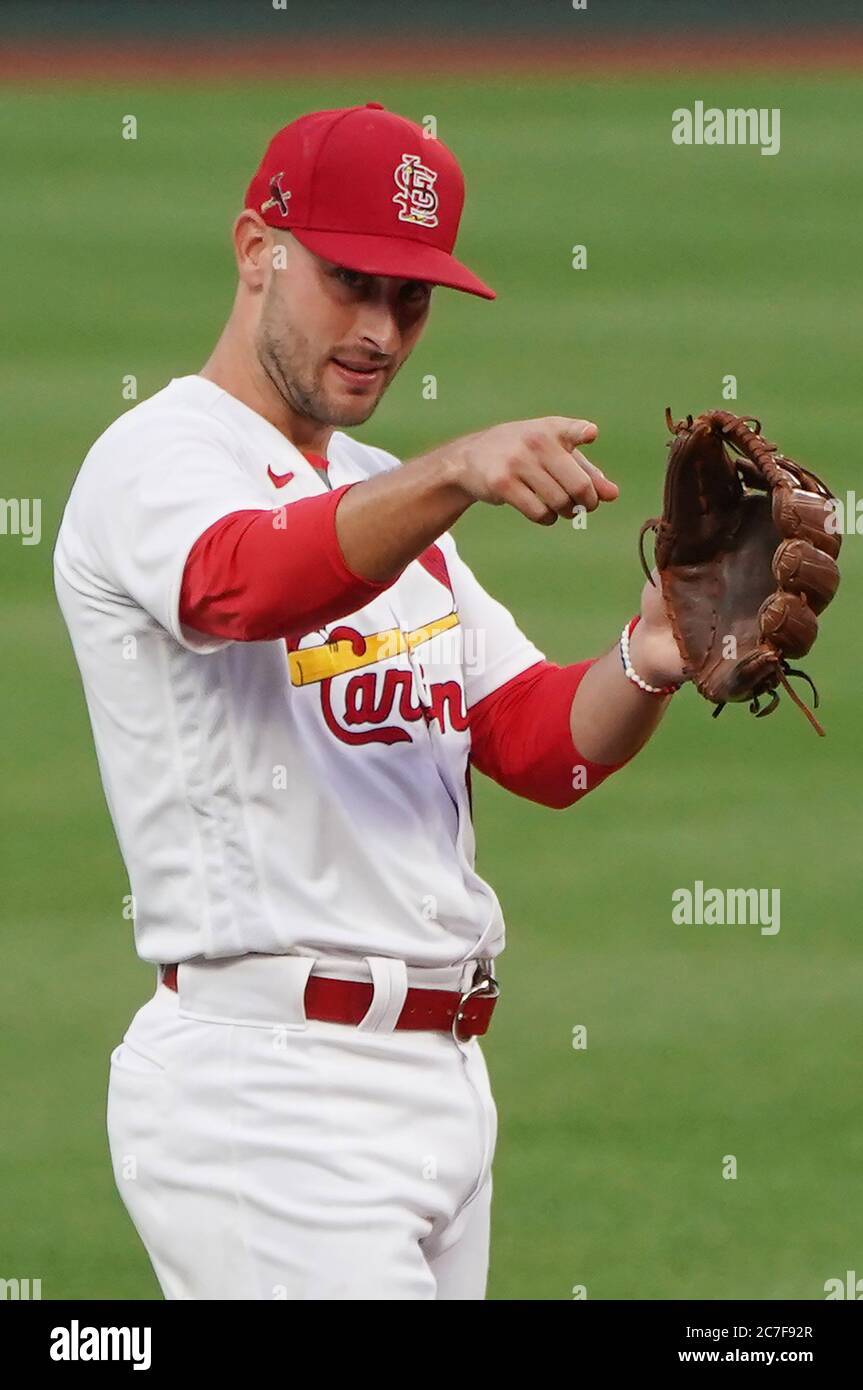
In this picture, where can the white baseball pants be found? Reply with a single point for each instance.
(262, 1155)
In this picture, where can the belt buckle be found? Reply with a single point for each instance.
(483, 984)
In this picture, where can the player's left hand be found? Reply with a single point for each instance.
(652, 646)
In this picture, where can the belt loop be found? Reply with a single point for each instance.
(468, 975)
(390, 981)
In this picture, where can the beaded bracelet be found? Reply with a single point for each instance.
(629, 670)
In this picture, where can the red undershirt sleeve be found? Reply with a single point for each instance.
(257, 576)
(520, 737)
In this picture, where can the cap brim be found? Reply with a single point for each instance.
(396, 256)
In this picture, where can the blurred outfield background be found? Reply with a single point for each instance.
(703, 1041)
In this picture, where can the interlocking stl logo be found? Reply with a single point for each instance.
(418, 202)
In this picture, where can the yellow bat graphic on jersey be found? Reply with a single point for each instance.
(321, 663)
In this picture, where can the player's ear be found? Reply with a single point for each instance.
(253, 249)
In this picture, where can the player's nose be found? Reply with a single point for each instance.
(378, 328)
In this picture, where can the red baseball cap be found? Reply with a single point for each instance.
(368, 190)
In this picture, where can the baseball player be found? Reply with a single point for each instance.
(290, 673)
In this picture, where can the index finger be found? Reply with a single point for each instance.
(574, 432)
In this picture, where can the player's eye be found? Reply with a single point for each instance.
(353, 279)
(415, 292)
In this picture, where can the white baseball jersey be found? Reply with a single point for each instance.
(265, 799)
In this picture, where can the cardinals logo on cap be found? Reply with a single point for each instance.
(280, 196)
(417, 199)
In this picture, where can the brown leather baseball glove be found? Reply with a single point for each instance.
(746, 559)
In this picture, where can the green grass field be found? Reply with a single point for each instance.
(702, 1041)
